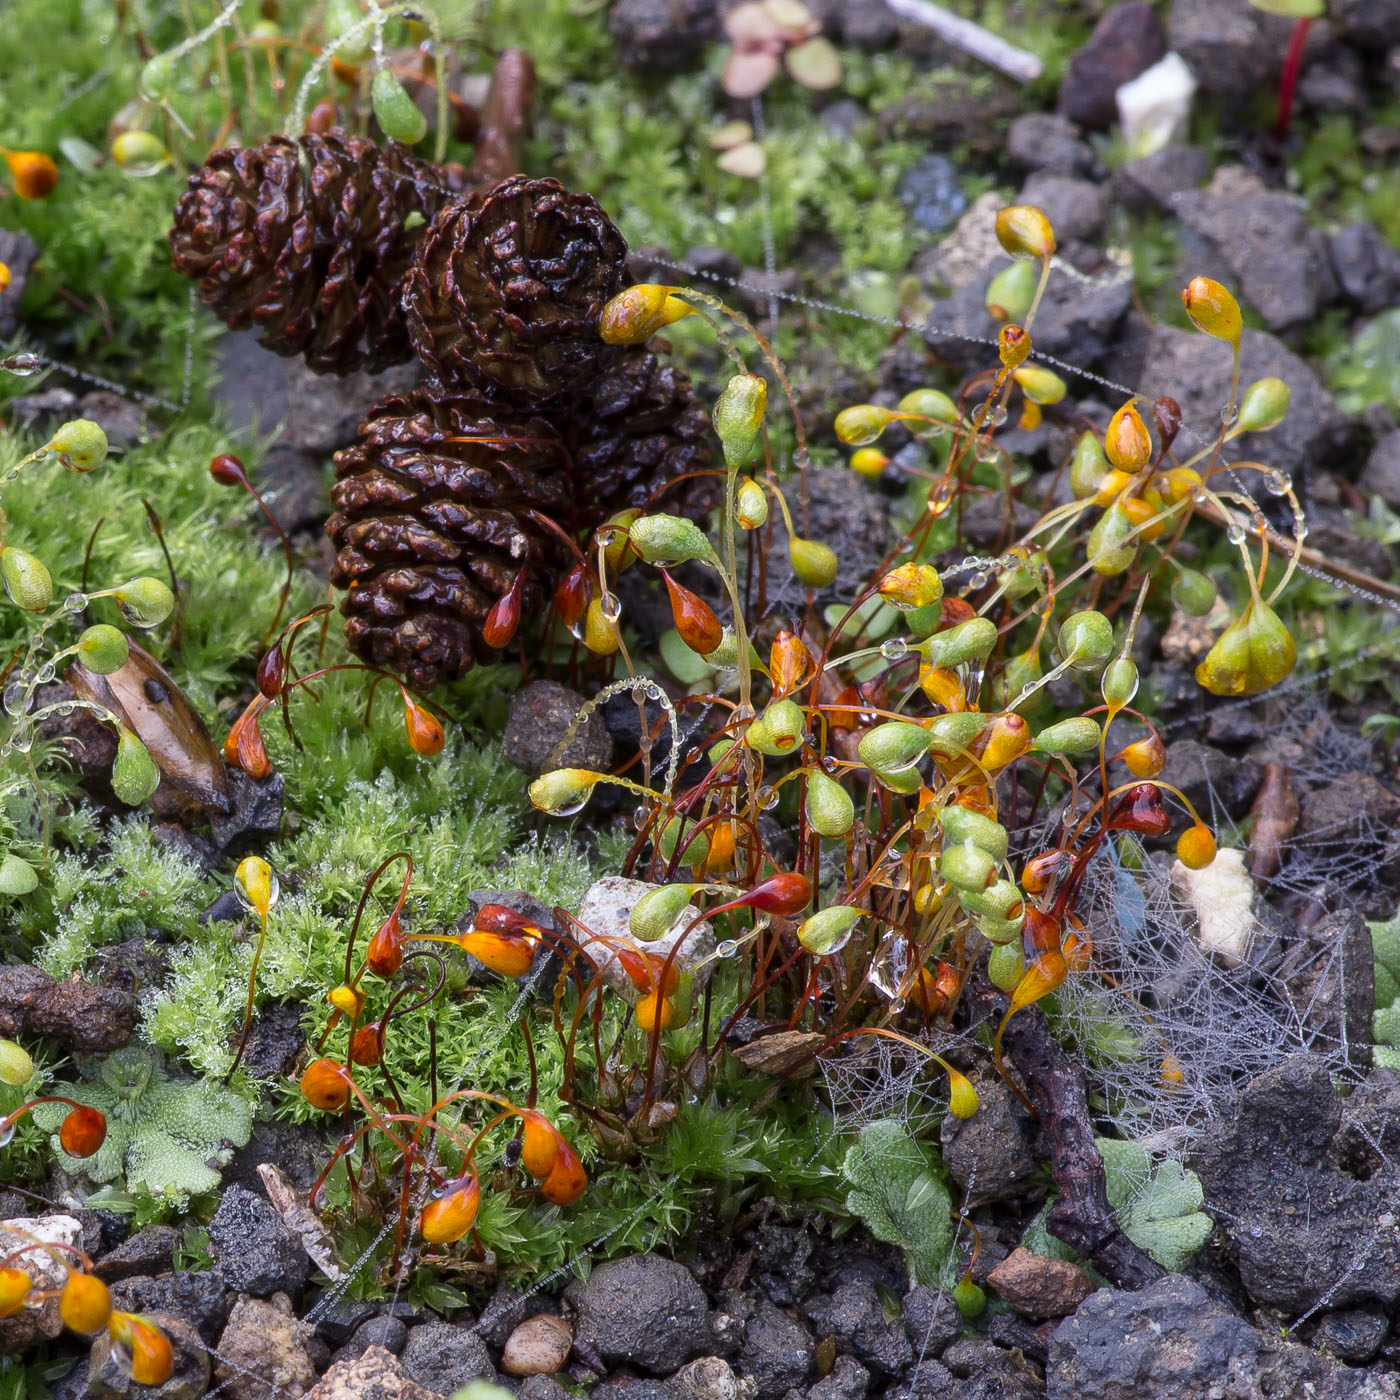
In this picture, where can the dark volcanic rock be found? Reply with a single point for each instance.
(201, 1299)
(539, 717)
(646, 1311)
(1153, 182)
(444, 1357)
(1381, 476)
(1126, 41)
(386, 1332)
(18, 251)
(75, 1014)
(1046, 141)
(1232, 49)
(847, 1380)
(1353, 1335)
(1076, 208)
(854, 1316)
(932, 1320)
(932, 192)
(149, 1251)
(1210, 778)
(1330, 976)
(275, 1040)
(777, 1353)
(1297, 1222)
(662, 36)
(256, 1253)
(990, 1153)
(1350, 809)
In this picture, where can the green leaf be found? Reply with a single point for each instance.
(1292, 9)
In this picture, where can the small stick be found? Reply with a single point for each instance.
(971, 39)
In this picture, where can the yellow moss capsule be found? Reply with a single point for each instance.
(962, 1097)
(909, 586)
(1025, 232)
(862, 423)
(1195, 847)
(1213, 309)
(636, 314)
(1013, 345)
(813, 563)
(1040, 385)
(1126, 443)
(1177, 484)
(4, 277)
(564, 791)
(869, 462)
(751, 505)
(599, 634)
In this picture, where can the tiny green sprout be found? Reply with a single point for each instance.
(1087, 468)
(16, 1068)
(1010, 293)
(862, 424)
(1193, 592)
(1074, 736)
(103, 649)
(1120, 682)
(893, 747)
(144, 602)
(564, 791)
(81, 444)
(813, 563)
(1263, 405)
(26, 579)
(967, 867)
(17, 876)
(829, 930)
(666, 540)
(1086, 640)
(962, 824)
(395, 111)
(930, 403)
(1111, 546)
(134, 773)
(751, 505)
(738, 416)
(830, 810)
(655, 914)
(972, 640)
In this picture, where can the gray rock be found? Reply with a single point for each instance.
(705, 1378)
(1353, 1335)
(645, 1310)
(1076, 208)
(1262, 240)
(990, 1373)
(374, 1376)
(847, 1380)
(1126, 41)
(262, 1354)
(444, 1358)
(503, 1313)
(256, 1253)
(1212, 779)
(1297, 1222)
(539, 716)
(662, 36)
(854, 1316)
(929, 1380)
(932, 1320)
(844, 117)
(123, 421)
(1330, 976)
(1371, 25)
(541, 1388)
(336, 1322)
(1047, 141)
(254, 815)
(932, 191)
(1231, 49)
(1195, 371)
(386, 1332)
(1172, 1341)
(990, 1154)
(109, 1372)
(1335, 84)
(1367, 265)
(19, 252)
(200, 1299)
(777, 1353)
(1354, 808)
(1154, 182)
(1381, 476)
(150, 1250)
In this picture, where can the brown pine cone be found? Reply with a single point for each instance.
(638, 428)
(431, 530)
(506, 289)
(314, 260)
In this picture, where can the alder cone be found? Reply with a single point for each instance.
(506, 289)
(432, 526)
(314, 258)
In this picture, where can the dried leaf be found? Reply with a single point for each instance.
(1275, 813)
(746, 161)
(748, 71)
(142, 694)
(815, 64)
(302, 1221)
(780, 1053)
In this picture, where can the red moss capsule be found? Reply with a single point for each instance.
(786, 894)
(1141, 810)
(82, 1132)
(271, 674)
(244, 747)
(384, 955)
(367, 1045)
(34, 173)
(695, 620)
(571, 598)
(325, 1085)
(503, 621)
(1043, 870)
(452, 1211)
(567, 1180)
(227, 470)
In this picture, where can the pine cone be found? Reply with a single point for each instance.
(506, 289)
(639, 427)
(314, 260)
(431, 530)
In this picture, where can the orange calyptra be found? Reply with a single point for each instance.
(367, 1045)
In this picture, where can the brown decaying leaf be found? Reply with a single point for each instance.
(779, 1053)
(302, 1221)
(145, 698)
(1275, 811)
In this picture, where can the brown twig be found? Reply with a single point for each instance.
(1082, 1217)
(505, 118)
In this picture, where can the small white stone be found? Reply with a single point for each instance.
(1153, 108)
(538, 1347)
(1222, 896)
(604, 916)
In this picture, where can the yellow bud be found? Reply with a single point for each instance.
(1024, 231)
(667, 540)
(144, 602)
(1013, 345)
(1087, 468)
(1213, 310)
(829, 930)
(4, 277)
(813, 563)
(911, 586)
(347, 1000)
(830, 811)
(751, 505)
(869, 462)
(1251, 654)
(599, 635)
(1177, 484)
(1126, 442)
(17, 876)
(1110, 546)
(81, 444)
(1195, 847)
(1010, 293)
(134, 773)
(1263, 405)
(636, 314)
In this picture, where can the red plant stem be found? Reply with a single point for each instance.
(1288, 78)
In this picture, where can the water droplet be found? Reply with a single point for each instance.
(978, 580)
(7, 1134)
(889, 966)
(726, 949)
(13, 698)
(273, 890)
(1234, 532)
(894, 648)
(45, 673)
(610, 605)
(22, 366)
(65, 709)
(1201, 496)
(74, 602)
(940, 496)
(898, 1005)
(1278, 483)
(1229, 413)
(801, 459)
(767, 798)
(997, 415)
(641, 817)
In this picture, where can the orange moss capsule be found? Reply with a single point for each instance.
(1146, 758)
(695, 619)
(1126, 442)
(367, 1045)
(425, 734)
(789, 663)
(452, 1211)
(82, 1132)
(1041, 871)
(34, 174)
(654, 1013)
(15, 1285)
(84, 1303)
(152, 1356)
(539, 1144)
(567, 1180)
(325, 1085)
(506, 954)
(1195, 847)
(384, 955)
